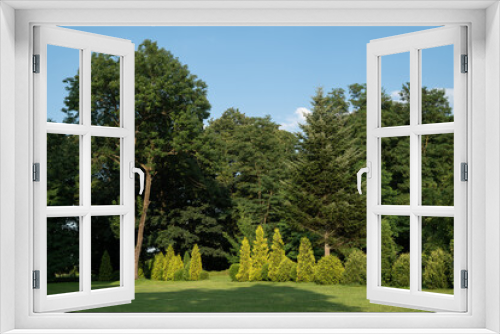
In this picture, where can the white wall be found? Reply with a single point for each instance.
(7, 170)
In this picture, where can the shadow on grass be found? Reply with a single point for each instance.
(256, 298)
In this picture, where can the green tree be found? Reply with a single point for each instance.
(400, 276)
(157, 271)
(168, 260)
(329, 270)
(435, 275)
(105, 270)
(355, 268)
(305, 262)
(196, 265)
(276, 256)
(260, 255)
(389, 251)
(245, 262)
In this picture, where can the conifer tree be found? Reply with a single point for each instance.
(157, 271)
(177, 264)
(196, 266)
(305, 261)
(276, 256)
(169, 256)
(260, 255)
(105, 270)
(187, 259)
(243, 274)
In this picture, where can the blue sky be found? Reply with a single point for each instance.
(268, 70)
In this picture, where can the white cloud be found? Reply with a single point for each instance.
(449, 93)
(395, 95)
(299, 117)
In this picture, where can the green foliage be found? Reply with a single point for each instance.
(389, 252)
(284, 270)
(157, 270)
(293, 272)
(260, 255)
(265, 272)
(196, 265)
(401, 272)
(62, 250)
(435, 275)
(187, 259)
(233, 271)
(168, 264)
(276, 256)
(355, 268)
(329, 270)
(176, 265)
(245, 262)
(105, 270)
(204, 275)
(305, 262)
(179, 275)
(187, 268)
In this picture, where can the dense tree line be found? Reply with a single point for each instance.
(213, 184)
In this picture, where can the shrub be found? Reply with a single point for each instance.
(179, 275)
(157, 270)
(401, 272)
(233, 271)
(148, 266)
(293, 272)
(284, 270)
(196, 266)
(187, 267)
(260, 255)
(329, 270)
(355, 268)
(389, 252)
(244, 270)
(176, 264)
(204, 275)
(187, 259)
(305, 262)
(435, 274)
(168, 274)
(276, 256)
(265, 272)
(105, 270)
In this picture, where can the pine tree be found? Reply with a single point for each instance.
(177, 265)
(305, 262)
(105, 270)
(260, 255)
(276, 256)
(157, 271)
(245, 262)
(187, 259)
(389, 251)
(168, 275)
(196, 266)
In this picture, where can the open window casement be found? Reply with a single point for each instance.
(416, 209)
(87, 142)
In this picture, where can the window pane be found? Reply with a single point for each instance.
(395, 95)
(63, 86)
(437, 169)
(396, 171)
(105, 171)
(105, 89)
(395, 251)
(105, 252)
(437, 84)
(63, 255)
(437, 254)
(63, 165)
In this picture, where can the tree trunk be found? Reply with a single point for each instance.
(327, 246)
(142, 222)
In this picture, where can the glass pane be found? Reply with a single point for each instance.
(437, 84)
(105, 89)
(63, 85)
(105, 171)
(437, 169)
(437, 254)
(396, 171)
(395, 252)
(63, 255)
(63, 166)
(105, 252)
(395, 95)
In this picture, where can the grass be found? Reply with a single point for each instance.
(219, 294)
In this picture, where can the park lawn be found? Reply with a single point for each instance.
(219, 294)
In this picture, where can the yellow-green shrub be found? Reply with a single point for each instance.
(355, 268)
(245, 262)
(196, 266)
(260, 255)
(436, 274)
(284, 270)
(233, 271)
(329, 270)
(276, 256)
(157, 269)
(305, 261)
(401, 272)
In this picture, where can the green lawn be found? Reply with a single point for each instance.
(219, 294)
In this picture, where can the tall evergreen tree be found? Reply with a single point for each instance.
(260, 255)
(167, 264)
(276, 256)
(243, 274)
(196, 265)
(305, 262)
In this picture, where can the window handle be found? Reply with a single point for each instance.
(134, 170)
(368, 171)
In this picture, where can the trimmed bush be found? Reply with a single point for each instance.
(305, 261)
(157, 270)
(260, 255)
(106, 269)
(329, 270)
(355, 268)
(179, 275)
(265, 272)
(204, 275)
(276, 256)
(389, 253)
(196, 266)
(233, 271)
(401, 272)
(435, 274)
(284, 270)
(186, 271)
(187, 259)
(244, 269)
(293, 272)
(168, 274)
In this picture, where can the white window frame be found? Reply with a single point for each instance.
(483, 132)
